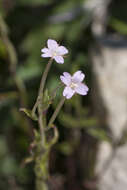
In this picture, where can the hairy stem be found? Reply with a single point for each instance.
(42, 160)
(41, 124)
(41, 170)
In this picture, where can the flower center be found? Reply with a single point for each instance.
(54, 53)
(73, 85)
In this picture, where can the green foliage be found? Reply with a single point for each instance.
(119, 26)
(99, 133)
(33, 2)
(66, 148)
(3, 52)
(75, 122)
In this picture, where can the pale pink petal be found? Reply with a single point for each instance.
(62, 50)
(68, 92)
(67, 75)
(44, 50)
(52, 44)
(82, 89)
(65, 80)
(59, 59)
(46, 54)
(78, 76)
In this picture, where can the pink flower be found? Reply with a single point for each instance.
(74, 84)
(54, 51)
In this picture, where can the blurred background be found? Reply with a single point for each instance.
(91, 152)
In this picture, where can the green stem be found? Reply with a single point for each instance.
(44, 77)
(52, 119)
(39, 101)
(42, 160)
(40, 123)
(42, 84)
(41, 170)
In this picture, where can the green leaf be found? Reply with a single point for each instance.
(27, 160)
(29, 113)
(75, 122)
(46, 100)
(119, 26)
(99, 134)
(65, 148)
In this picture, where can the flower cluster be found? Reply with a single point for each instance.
(73, 84)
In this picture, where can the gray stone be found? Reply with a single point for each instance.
(109, 60)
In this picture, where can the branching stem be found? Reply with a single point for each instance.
(42, 84)
(52, 119)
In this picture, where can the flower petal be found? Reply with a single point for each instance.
(78, 76)
(67, 75)
(62, 50)
(68, 92)
(81, 89)
(48, 54)
(59, 59)
(52, 44)
(44, 50)
(65, 80)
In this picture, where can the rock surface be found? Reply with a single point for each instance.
(109, 60)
